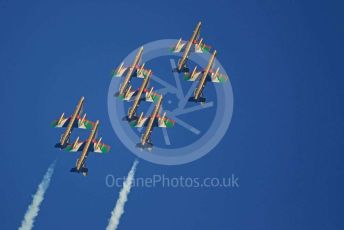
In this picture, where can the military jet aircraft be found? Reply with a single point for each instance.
(203, 76)
(186, 48)
(150, 122)
(142, 94)
(90, 145)
(134, 70)
(74, 121)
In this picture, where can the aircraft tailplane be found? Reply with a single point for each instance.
(83, 170)
(133, 118)
(199, 99)
(148, 146)
(59, 146)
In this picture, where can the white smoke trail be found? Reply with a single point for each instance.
(33, 209)
(123, 197)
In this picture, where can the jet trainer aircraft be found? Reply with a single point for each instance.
(134, 70)
(207, 75)
(74, 121)
(153, 121)
(90, 145)
(149, 96)
(185, 47)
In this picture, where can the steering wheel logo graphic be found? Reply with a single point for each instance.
(199, 127)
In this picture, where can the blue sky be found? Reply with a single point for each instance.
(284, 142)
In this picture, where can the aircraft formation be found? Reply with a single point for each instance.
(194, 44)
(143, 93)
(208, 74)
(135, 97)
(89, 145)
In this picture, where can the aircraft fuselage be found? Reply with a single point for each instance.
(132, 110)
(85, 151)
(149, 128)
(186, 53)
(68, 131)
(202, 81)
(127, 78)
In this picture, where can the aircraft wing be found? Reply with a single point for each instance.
(119, 71)
(179, 47)
(139, 71)
(148, 96)
(200, 47)
(162, 122)
(99, 147)
(84, 123)
(213, 76)
(140, 122)
(151, 96)
(197, 46)
(80, 123)
(76, 146)
(61, 123)
(216, 76)
(193, 76)
(95, 146)
(130, 95)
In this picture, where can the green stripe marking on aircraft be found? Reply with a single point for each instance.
(88, 125)
(206, 48)
(113, 73)
(169, 123)
(222, 79)
(186, 76)
(133, 123)
(105, 149)
(69, 148)
(155, 97)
